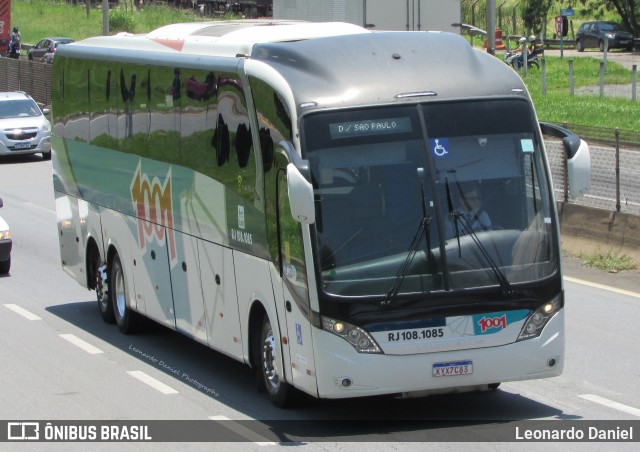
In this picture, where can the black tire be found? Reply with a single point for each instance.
(579, 46)
(118, 296)
(105, 306)
(493, 386)
(280, 392)
(535, 64)
(5, 266)
(46, 155)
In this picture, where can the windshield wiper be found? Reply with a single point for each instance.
(423, 229)
(460, 218)
(402, 271)
(453, 214)
(502, 280)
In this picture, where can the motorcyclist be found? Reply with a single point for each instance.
(517, 59)
(15, 43)
(533, 45)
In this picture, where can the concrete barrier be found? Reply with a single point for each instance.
(592, 230)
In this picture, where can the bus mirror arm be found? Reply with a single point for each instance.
(288, 149)
(570, 141)
(578, 157)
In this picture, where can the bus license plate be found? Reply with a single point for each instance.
(452, 369)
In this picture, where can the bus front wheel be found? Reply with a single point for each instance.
(280, 392)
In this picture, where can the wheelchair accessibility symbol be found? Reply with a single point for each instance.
(439, 146)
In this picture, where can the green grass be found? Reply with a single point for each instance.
(609, 261)
(40, 18)
(559, 106)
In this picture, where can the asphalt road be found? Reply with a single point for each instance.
(59, 361)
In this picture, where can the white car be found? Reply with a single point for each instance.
(24, 128)
(5, 246)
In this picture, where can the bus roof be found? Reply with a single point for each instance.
(221, 38)
(383, 67)
(324, 63)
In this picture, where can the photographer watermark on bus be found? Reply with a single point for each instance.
(166, 367)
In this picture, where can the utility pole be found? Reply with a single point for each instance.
(491, 27)
(105, 18)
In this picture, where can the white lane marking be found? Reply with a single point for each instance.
(243, 431)
(36, 206)
(611, 404)
(149, 380)
(602, 286)
(23, 312)
(87, 347)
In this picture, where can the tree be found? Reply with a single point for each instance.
(628, 10)
(534, 15)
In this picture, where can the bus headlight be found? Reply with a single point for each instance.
(356, 336)
(539, 318)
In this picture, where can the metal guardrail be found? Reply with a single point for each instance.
(566, 43)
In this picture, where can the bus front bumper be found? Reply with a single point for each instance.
(341, 372)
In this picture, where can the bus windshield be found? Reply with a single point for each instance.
(435, 197)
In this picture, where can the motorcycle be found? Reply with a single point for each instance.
(515, 59)
(14, 50)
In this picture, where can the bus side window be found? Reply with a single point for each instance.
(273, 127)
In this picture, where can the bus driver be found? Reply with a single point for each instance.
(472, 215)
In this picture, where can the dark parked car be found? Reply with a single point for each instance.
(593, 34)
(44, 46)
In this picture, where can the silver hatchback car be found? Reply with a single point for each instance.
(24, 128)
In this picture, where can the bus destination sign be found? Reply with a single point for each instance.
(370, 127)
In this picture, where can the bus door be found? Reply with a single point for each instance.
(152, 280)
(71, 210)
(186, 289)
(220, 298)
(294, 307)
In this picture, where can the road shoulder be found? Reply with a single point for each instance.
(626, 280)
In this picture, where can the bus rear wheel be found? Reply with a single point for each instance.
(102, 293)
(280, 392)
(118, 296)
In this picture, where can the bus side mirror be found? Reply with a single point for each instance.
(579, 170)
(301, 197)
